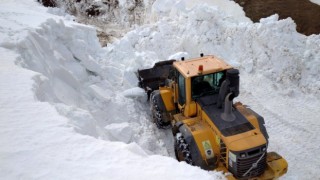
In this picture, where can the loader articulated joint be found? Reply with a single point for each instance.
(175, 128)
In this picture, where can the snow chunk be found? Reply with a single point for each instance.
(179, 55)
(135, 92)
(120, 131)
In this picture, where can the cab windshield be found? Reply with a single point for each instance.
(206, 84)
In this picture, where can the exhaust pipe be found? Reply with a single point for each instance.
(228, 115)
(230, 85)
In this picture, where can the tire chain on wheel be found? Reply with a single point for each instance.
(157, 115)
(183, 147)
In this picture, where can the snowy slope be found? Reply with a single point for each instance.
(279, 72)
(316, 1)
(74, 112)
(36, 141)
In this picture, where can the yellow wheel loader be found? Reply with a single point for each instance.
(195, 98)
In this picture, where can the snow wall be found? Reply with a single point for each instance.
(95, 88)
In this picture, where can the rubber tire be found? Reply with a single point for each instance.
(157, 113)
(179, 152)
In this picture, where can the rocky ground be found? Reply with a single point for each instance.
(305, 13)
(112, 18)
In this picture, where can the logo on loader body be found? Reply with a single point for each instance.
(208, 149)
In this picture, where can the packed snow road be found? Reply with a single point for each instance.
(76, 113)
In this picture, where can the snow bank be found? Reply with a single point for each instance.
(172, 9)
(271, 47)
(65, 72)
(278, 68)
(105, 130)
(90, 94)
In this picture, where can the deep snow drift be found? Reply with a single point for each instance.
(37, 142)
(93, 122)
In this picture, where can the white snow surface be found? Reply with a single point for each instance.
(316, 1)
(70, 109)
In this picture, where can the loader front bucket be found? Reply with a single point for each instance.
(151, 79)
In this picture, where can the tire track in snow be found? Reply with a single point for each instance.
(288, 125)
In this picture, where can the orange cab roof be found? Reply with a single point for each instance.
(211, 64)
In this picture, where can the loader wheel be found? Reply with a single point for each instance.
(181, 149)
(157, 114)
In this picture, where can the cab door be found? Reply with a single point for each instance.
(181, 91)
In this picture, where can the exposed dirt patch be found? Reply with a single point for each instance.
(48, 3)
(305, 13)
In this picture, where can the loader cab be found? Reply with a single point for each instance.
(208, 84)
(196, 78)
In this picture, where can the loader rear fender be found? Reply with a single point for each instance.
(262, 126)
(197, 159)
(261, 123)
(257, 121)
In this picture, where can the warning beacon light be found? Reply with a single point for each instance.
(200, 69)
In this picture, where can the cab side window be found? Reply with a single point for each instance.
(182, 89)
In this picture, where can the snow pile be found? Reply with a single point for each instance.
(105, 131)
(67, 57)
(37, 142)
(165, 8)
(271, 47)
(279, 69)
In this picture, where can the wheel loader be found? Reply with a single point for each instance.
(195, 99)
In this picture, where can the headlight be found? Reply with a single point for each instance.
(232, 156)
(232, 159)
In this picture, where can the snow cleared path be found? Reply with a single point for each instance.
(74, 112)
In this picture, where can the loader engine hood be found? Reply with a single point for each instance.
(246, 141)
(228, 128)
